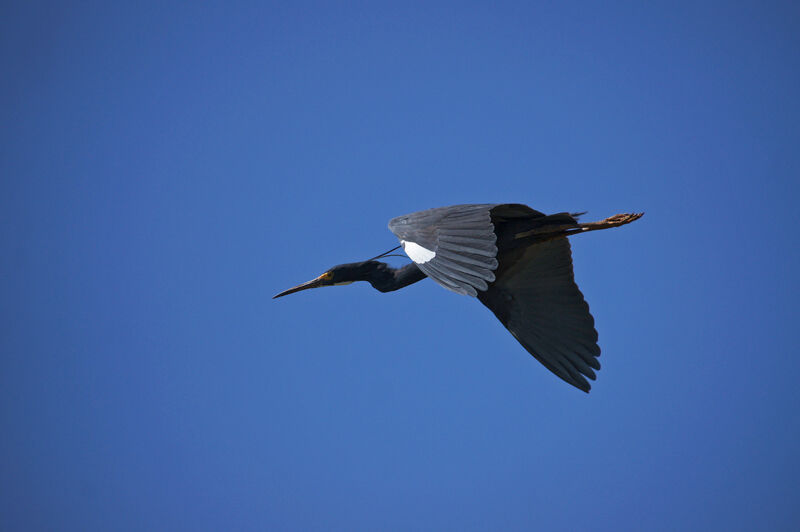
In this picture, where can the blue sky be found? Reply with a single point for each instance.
(166, 169)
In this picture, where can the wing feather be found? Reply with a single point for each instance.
(469, 258)
(536, 298)
(481, 273)
(462, 241)
(466, 282)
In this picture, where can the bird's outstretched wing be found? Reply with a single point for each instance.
(454, 246)
(536, 298)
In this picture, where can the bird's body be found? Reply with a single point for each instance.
(514, 259)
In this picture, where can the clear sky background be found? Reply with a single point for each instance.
(165, 170)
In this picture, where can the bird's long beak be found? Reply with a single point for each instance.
(313, 283)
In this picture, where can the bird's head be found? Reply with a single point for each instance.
(338, 275)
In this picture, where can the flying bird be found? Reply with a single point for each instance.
(516, 260)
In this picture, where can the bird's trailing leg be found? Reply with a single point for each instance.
(548, 231)
(614, 221)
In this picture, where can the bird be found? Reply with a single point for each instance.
(515, 260)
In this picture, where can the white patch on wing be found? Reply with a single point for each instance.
(417, 253)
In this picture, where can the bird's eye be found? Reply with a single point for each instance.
(327, 276)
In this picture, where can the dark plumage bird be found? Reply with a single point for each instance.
(514, 259)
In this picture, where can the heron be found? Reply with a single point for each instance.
(515, 260)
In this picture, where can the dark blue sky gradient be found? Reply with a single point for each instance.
(167, 169)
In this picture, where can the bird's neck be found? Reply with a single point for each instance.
(384, 278)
